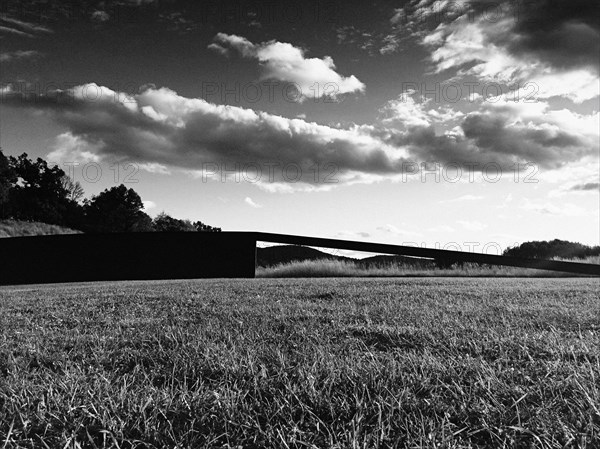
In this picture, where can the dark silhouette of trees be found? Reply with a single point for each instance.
(117, 209)
(553, 248)
(201, 227)
(74, 190)
(165, 223)
(35, 191)
(7, 179)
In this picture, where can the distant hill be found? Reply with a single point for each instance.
(16, 228)
(274, 255)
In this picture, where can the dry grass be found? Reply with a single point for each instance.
(335, 363)
(14, 228)
(589, 259)
(336, 268)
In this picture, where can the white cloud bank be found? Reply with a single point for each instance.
(159, 129)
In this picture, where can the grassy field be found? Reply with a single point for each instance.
(343, 268)
(298, 363)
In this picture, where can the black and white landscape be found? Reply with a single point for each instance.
(413, 184)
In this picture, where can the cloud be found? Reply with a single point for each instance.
(70, 148)
(552, 46)
(219, 49)
(408, 112)
(391, 44)
(564, 34)
(588, 186)
(250, 202)
(153, 167)
(100, 16)
(246, 48)
(578, 187)
(345, 234)
(391, 229)
(548, 208)
(359, 38)
(284, 62)
(19, 54)
(149, 205)
(499, 131)
(14, 31)
(158, 126)
(20, 27)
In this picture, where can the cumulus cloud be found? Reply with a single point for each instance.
(407, 111)
(284, 62)
(498, 131)
(241, 44)
(159, 126)
(73, 149)
(159, 129)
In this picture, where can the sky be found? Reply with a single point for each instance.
(464, 125)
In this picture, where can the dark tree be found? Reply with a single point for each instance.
(201, 227)
(166, 223)
(117, 209)
(37, 192)
(7, 179)
(74, 190)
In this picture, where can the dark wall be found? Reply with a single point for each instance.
(129, 256)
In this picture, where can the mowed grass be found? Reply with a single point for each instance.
(299, 363)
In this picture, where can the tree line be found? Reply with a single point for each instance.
(552, 248)
(33, 190)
